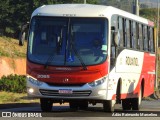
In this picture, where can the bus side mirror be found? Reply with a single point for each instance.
(116, 39)
(22, 38)
(115, 36)
(22, 35)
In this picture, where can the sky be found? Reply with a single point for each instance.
(150, 3)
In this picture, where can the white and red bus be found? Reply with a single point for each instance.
(87, 54)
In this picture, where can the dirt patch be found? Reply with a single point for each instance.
(12, 66)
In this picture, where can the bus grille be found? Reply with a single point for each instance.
(74, 93)
(77, 85)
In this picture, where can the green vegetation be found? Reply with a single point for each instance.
(13, 90)
(150, 13)
(13, 83)
(14, 13)
(9, 48)
(9, 97)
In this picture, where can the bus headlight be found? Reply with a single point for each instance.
(30, 90)
(97, 82)
(35, 81)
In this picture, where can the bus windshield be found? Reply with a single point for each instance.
(68, 41)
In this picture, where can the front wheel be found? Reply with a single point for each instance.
(108, 105)
(46, 105)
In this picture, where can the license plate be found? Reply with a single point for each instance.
(65, 91)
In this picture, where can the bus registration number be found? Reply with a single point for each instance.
(65, 91)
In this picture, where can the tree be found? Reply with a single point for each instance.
(151, 14)
(4, 11)
(14, 13)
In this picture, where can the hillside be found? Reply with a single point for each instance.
(10, 48)
(12, 57)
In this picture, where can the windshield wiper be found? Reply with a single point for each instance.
(50, 58)
(76, 52)
(59, 46)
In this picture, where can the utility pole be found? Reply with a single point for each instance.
(135, 8)
(157, 43)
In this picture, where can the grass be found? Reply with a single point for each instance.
(9, 47)
(8, 97)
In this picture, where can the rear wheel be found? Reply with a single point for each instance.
(108, 105)
(136, 102)
(46, 105)
(126, 104)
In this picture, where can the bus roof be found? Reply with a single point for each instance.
(86, 10)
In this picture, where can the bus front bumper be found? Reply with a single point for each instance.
(88, 91)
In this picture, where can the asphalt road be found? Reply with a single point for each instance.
(62, 112)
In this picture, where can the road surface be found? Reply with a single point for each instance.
(151, 107)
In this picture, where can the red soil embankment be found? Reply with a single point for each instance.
(12, 66)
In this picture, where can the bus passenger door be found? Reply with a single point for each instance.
(113, 48)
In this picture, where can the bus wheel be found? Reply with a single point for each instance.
(73, 105)
(108, 105)
(46, 105)
(136, 102)
(126, 104)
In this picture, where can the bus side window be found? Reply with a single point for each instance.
(145, 37)
(120, 29)
(131, 34)
(140, 37)
(125, 33)
(135, 40)
(151, 41)
(128, 33)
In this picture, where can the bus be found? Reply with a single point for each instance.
(85, 54)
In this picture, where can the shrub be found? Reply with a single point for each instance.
(13, 83)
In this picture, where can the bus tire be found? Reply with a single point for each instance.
(136, 102)
(108, 105)
(126, 104)
(118, 92)
(46, 105)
